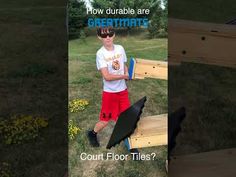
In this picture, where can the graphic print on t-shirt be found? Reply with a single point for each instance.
(114, 57)
(116, 65)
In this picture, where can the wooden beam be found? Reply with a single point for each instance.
(150, 131)
(199, 42)
(219, 163)
(141, 68)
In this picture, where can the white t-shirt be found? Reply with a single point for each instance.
(114, 61)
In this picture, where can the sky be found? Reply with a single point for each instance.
(88, 4)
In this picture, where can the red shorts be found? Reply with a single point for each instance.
(113, 104)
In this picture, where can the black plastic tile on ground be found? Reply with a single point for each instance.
(126, 123)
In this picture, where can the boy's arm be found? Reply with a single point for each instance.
(111, 77)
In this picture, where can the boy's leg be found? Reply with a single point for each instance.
(99, 126)
(109, 111)
(106, 108)
(92, 134)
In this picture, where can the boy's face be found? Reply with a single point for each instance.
(107, 38)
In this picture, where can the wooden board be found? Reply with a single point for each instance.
(221, 163)
(200, 42)
(149, 69)
(150, 131)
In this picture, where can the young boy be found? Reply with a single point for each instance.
(110, 60)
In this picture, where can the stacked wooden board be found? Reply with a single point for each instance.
(150, 131)
(142, 68)
(199, 42)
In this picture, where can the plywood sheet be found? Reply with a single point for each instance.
(150, 131)
(150, 69)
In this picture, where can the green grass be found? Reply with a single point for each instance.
(208, 93)
(137, 47)
(85, 82)
(32, 37)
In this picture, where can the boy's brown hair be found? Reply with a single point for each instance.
(105, 30)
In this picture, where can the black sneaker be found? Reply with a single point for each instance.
(92, 139)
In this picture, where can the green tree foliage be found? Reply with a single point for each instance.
(164, 17)
(158, 20)
(77, 17)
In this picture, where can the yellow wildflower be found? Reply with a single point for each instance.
(77, 105)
